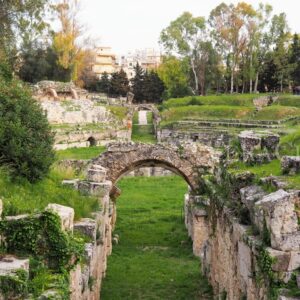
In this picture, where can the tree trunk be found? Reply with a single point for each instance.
(231, 80)
(251, 65)
(256, 83)
(196, 77)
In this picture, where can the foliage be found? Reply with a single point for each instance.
(41, 64)
(137, 83)
(25, 135)
(173, 73)
(153, 259)
(14, 285)
(119, 84)
(41, 236)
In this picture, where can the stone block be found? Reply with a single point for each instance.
(87, 227)
(281, 219)
(100, 189)
(282, 260)
(96, 173)
(10, 264)
(294, 261)
(290, 165)
(251, 194)
(65, 213)
(244, 261)
(71, 183)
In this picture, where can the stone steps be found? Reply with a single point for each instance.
(189, 124)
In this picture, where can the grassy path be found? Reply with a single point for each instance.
(153, 259)
(143, 133)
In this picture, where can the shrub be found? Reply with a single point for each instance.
(26, 140)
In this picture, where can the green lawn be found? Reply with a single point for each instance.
(153, 259)
(80, 153)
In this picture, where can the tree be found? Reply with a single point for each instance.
(174, 74)
(281, 37)
(153, 87)
(187, 37)
(294, 60)
(26, 141)
(228, 24)
(137, 83)
(66, 41)
(22, 22)
(119, 84)
(103, 85)
(39, 64)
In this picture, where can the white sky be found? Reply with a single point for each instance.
(136, 24)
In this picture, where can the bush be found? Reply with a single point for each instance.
(26, 140)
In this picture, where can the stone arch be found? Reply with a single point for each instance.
(189, 160)
(92, 141)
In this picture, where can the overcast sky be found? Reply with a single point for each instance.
(136, 24)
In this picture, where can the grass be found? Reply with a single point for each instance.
(226, 99)
(153, 259)
(277, 112)
(197, 112)
(21, 196)
(119, 112)
(143, 133)
(80, 153)
(289, 100)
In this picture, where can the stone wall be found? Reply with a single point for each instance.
(237, 261)
(217, 138)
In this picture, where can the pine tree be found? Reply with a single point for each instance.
(137, 83)
(295, 60)
(119, 84)
(103, 85)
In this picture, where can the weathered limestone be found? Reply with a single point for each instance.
(258, 147)
(278, 213)
(96, 173)
(87, 227)
(65, 213)
(186, 159)
(196, 223)
(290, 165)
(10, 264)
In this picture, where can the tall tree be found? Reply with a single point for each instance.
(153, 87)
(174, 74)
(228, 24)
(22, 22)
(281, 37)
(66, 41)
(119, 84)
(295, 60)
(137, 83)
(187, 37)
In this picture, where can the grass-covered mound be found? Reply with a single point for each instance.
(153, 259)
(289, 100)
(231, 100)
(277, 112)
(24, 197)
(80, 153)
(195, 112)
